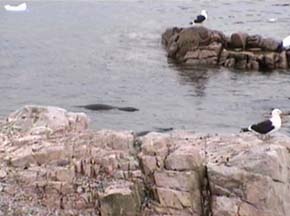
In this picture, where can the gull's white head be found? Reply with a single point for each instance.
(203, 12)
(276, 112)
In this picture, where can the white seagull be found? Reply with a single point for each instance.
(200, 18)
(20, 7)
(268, 126)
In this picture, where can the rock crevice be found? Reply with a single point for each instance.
(206, 195)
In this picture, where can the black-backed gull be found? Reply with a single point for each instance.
(268, 126)
(200, 18)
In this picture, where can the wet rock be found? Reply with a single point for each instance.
(283, 62)
(180, 42)
(169, 33)
(288, 57)
(172, 49)
(270, 44)
(254, 41)
(201, 46)
(230, 62)
(224, 56)
(253, 65)
(239, 40)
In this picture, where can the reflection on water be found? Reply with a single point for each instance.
(196, 76)
(68, 53)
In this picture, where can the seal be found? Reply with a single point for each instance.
(104, 107)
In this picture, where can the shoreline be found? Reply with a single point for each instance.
(51, 162)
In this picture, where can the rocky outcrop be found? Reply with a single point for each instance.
(52, 164)
(199, 45)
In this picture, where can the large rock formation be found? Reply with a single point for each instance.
(199, 45)
(51, 164)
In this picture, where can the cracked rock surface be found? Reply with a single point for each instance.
(52, 164)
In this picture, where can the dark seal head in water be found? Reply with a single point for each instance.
(102, 107)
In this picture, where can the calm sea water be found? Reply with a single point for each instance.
(67, 53)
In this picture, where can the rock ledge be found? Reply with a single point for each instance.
(52, 164)
(201, 46)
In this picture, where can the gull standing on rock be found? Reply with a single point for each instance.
(200, 18)
(268, 126)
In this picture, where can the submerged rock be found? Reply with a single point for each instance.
(201, 46)
(78, 171)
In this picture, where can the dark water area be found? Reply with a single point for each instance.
(68, 53)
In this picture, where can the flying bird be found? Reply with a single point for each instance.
(200, 18)
(268, 126)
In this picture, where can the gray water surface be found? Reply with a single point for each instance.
(68, 53)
